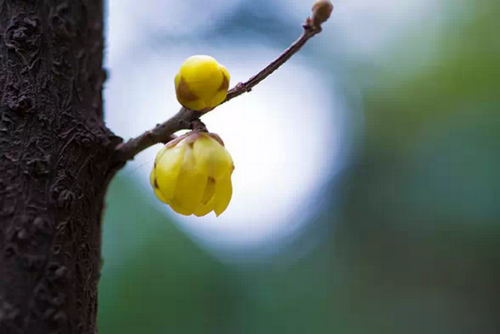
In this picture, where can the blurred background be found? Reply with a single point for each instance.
(367, 185)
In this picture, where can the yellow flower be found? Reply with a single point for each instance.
(202, 83)
(192, 174)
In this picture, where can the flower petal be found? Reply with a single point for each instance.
(211, 157)
(208, 202)
(227, 77)
(179, 209)
(205, 209)
(152, 178)
(177, 79)
(223, 194)
(190, 185)
(209, 191)
(160, 153)
(221, 93)
(167, 169)
(154, 184)
(217, 99)
(160, 195)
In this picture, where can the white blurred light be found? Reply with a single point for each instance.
(166, 16)
(130, 24)
(284, 137)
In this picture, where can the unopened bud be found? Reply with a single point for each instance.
(202, 83)
(322, 9)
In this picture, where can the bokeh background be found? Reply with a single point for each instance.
(367, 185)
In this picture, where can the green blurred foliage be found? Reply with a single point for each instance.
(155, 279)
(410, 242)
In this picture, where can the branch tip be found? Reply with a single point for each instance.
(322, 10)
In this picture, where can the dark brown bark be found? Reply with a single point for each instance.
(56, 158)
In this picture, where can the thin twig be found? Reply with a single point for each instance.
(183, 120)
(162, 133)
(308, 32)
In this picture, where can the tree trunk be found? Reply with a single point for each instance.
(56, 160)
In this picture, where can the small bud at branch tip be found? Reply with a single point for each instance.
(322, 9)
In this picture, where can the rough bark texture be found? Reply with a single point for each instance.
(56, 159)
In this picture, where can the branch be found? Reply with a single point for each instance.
(185, 118)
(307, 34)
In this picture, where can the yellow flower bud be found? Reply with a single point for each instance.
(192, 174)
(202, 83)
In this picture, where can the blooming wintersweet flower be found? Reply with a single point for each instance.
(192, 174)
(202, 83)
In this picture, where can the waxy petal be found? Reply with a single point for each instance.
(223, 193)
(190, 185)
(211, 157)
(168, 168)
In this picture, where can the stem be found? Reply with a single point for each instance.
(308, 32)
